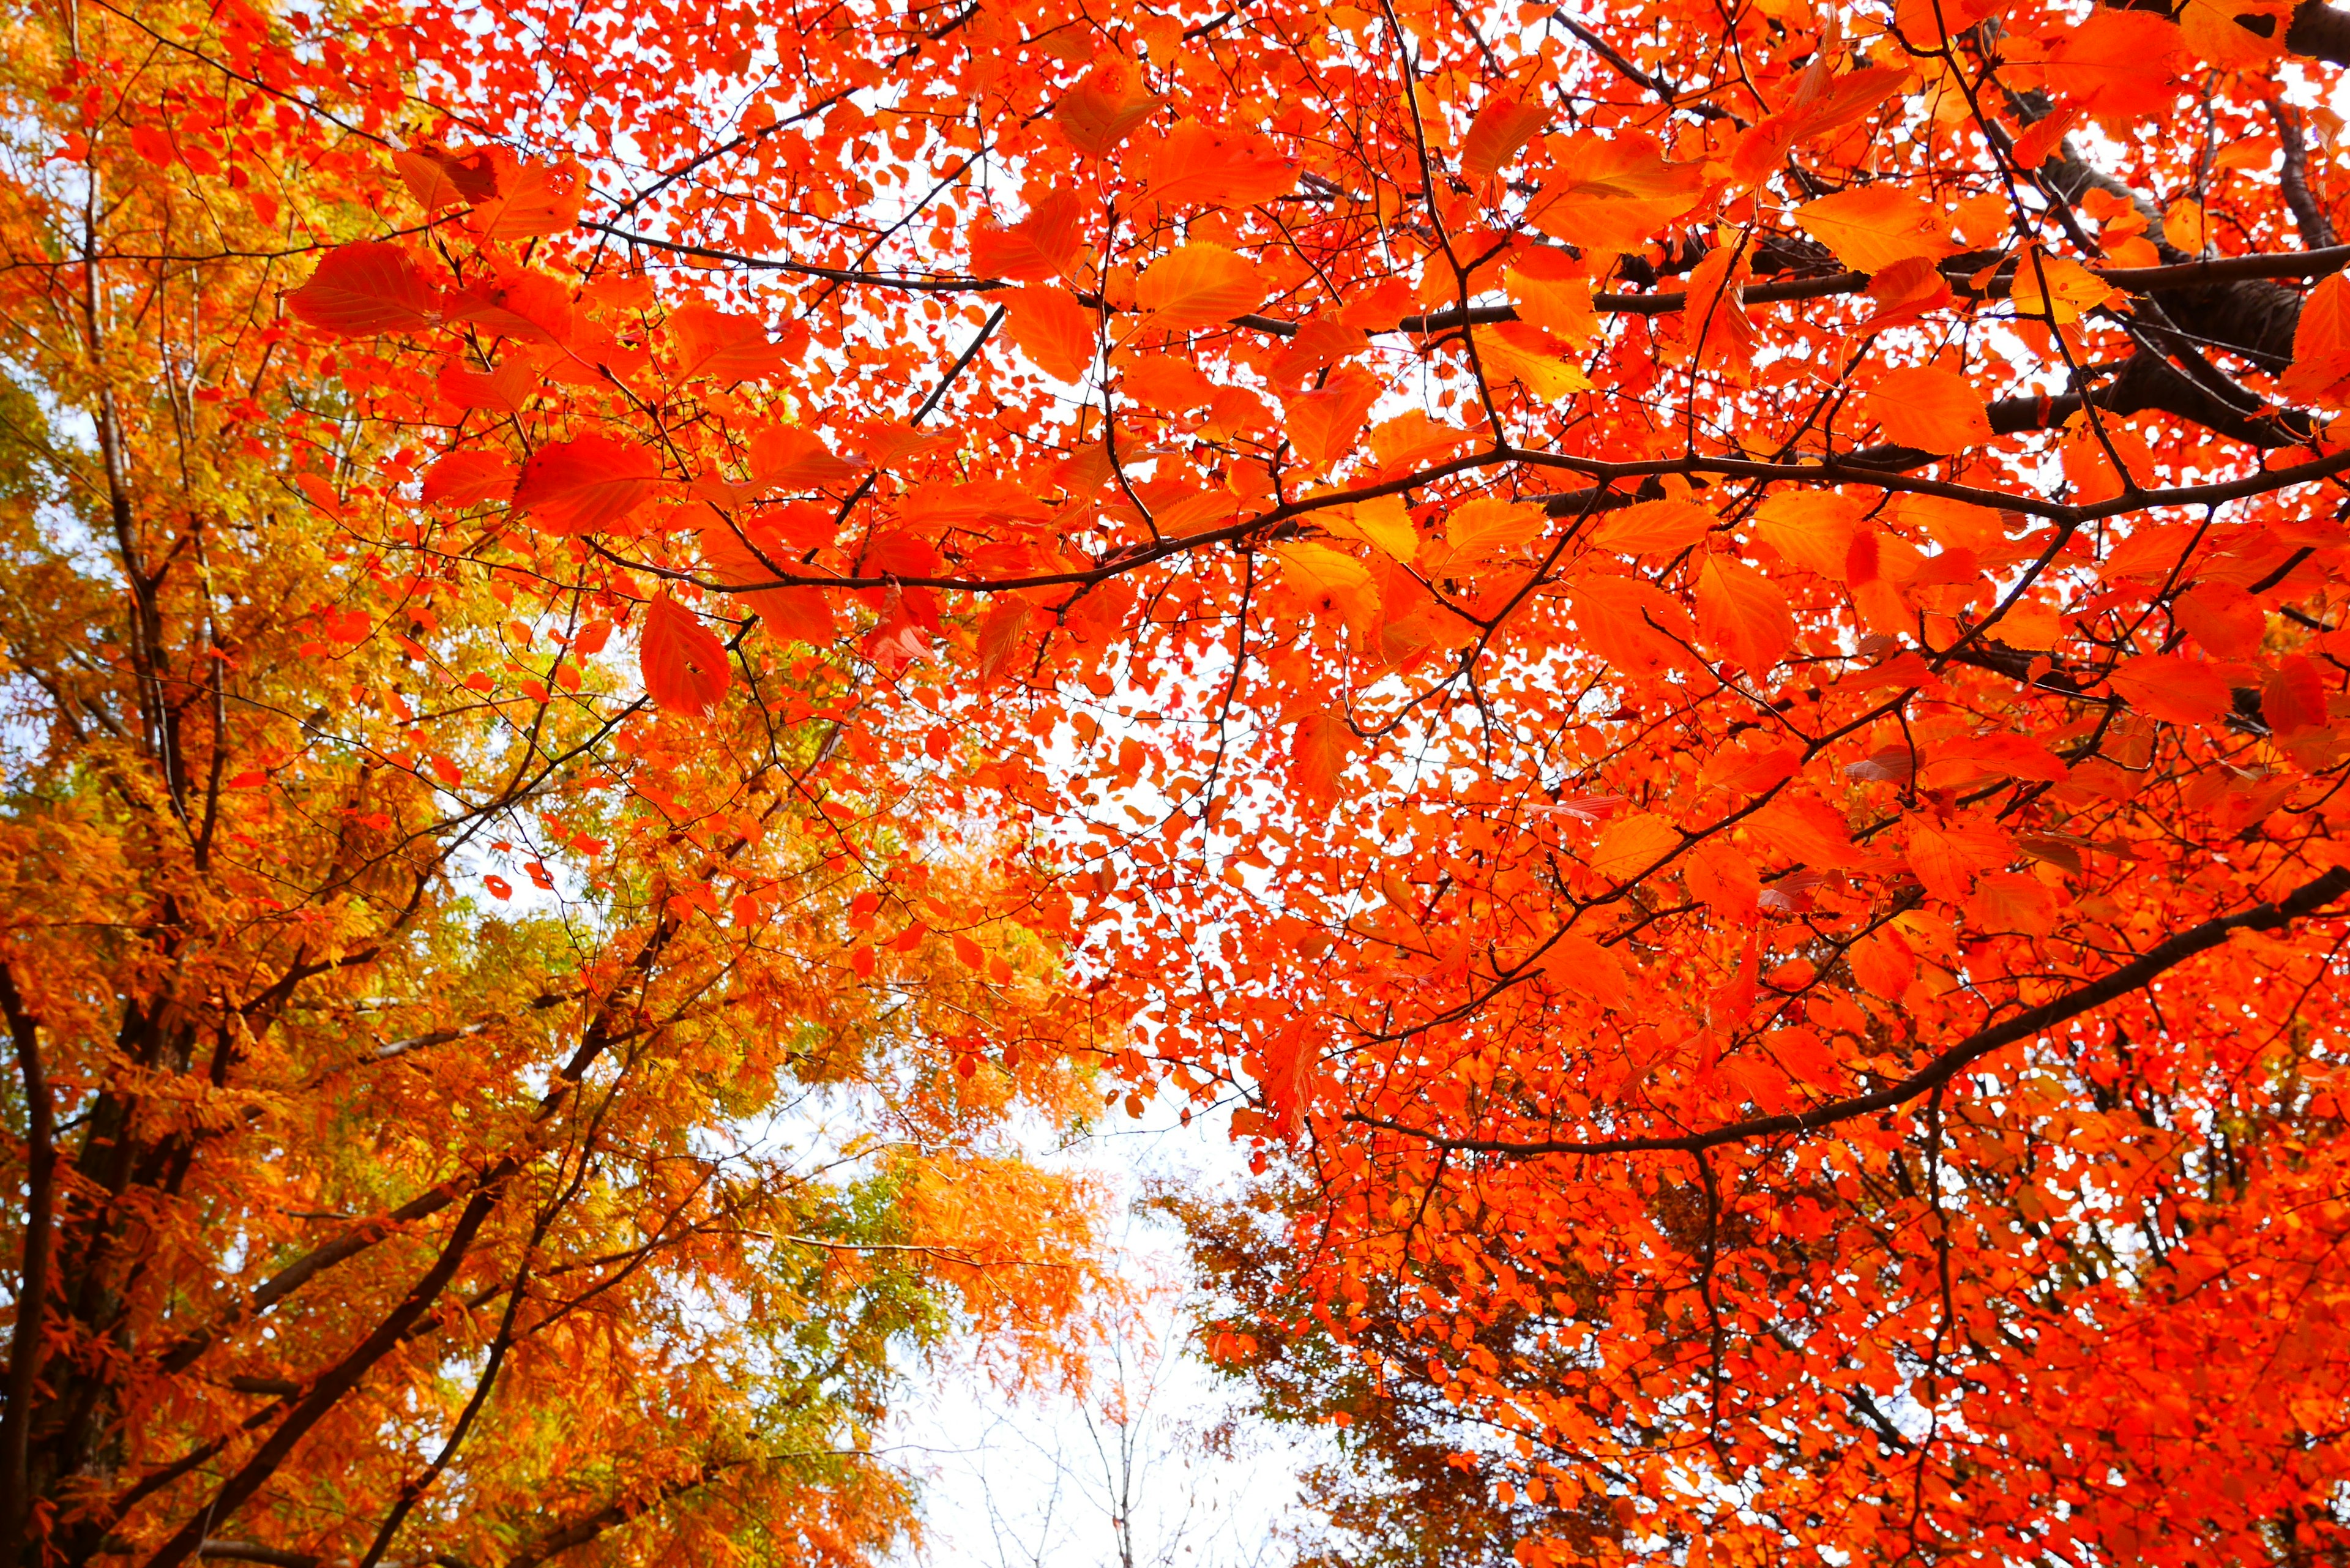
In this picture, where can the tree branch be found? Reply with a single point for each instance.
(33, 1274)
(2302, 901)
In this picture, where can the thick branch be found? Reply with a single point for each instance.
(33, 1274)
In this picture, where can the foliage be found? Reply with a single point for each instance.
(460, 1112)
(1698, 648)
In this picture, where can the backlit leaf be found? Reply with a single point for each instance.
(1198, 286)
(683, 662)
(360, 290)
(587, 484)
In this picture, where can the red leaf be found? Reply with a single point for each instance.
(684, 663)
(576, 486)
(468, 478)
(2170, 686)
(364, 289)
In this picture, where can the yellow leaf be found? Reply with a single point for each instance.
(1199, 285)
(1933, 410)
(1875, 226)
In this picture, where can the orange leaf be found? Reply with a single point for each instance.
(1742, 611)
(1323, 425)
(1053, 330)
(1653, 527)
(509, 386)
(1576, 963)
(577, 486)
(2039, 140)
(533, 199)
(1200, 163)
(2321, 340)
(363, 289)
(2229, 622)
(2168, 686)
(1933, 410)
(1198, 286)
(1500, 128)
(2117, 63)
(1875, 226)
(1723, 879)
(1046, 243)
(683, 661)
(468, 478)
(1630, 845)
(1948, 857)
(1101, 111)
(725, 347)
(786, 457)
(1319, 752)
(1811, 529)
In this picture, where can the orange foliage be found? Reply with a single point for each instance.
(1701, 654)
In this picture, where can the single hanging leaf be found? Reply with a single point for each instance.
(1875, 226)
(1053, 330)
(1100, 111)
(2321, 341)
(364, 289)
(1205, 165)
(683, 661)
(1319, 750)
(582, 485)
(468, 479)
(1743, 612)
(1500, 128)
(1197, 285)
(2169, 686)
(1047, 243)
(2039, 140)
(1931, 410)
(721, 347)
(1653, 527)
(1324, 425)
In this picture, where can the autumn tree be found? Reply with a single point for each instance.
(458, 1112)
(1700, 647)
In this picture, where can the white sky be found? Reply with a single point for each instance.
(1033, 1481)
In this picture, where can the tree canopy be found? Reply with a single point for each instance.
(1690, 662)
